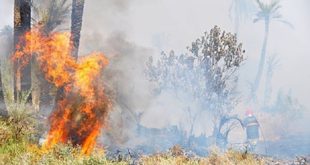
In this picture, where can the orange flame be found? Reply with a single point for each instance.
(81, 112)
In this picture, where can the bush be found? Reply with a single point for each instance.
(29, 154)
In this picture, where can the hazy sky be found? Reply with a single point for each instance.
(173, 24)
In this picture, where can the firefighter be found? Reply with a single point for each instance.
(251, 125)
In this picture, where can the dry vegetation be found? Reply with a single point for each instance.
(18, 147)
(177, 156)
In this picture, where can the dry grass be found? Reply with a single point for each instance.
(17, 148)
(18, 143)
(229, 158)
(29, 154)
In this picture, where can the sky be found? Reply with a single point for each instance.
(173, 24)
(167, 25)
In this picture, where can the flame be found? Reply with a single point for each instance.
(81, 112)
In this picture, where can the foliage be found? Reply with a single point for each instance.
(286, 105)
(27, 153)
(270, 11)
(219, 55)
(272, 63)
(240, 11)
(267, 12)
(48, 15)
(56, 13)
(20, 122)
(206, 74)
(15, 152)
(286, 112)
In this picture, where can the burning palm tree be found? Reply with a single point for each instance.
(48, 17)
(76, 25)
(82, 106)
(22, 20)
(82, 110)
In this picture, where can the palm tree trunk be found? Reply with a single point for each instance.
(268, 89)
(262, 60)
(7, 72)
(35, 85)
(76, 25)
(22, 20)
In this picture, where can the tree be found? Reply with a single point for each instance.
(205, 75)
(47, 16)
(267, 12)
(285, 110)
(6, 69)
(240, 11)
(272, 64)
(76, 25)
(17, 113)
(22, 21)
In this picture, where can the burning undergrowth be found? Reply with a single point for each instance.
(81, 104)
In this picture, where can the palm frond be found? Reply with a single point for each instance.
(256, 20)
(270, 11)
(260, 4)
(241, 9)
(55, 13)
(286, 23)
(272, 63)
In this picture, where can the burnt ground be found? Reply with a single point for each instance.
(288, 147)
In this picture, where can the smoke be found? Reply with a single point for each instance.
(125, 78)
(128, 32)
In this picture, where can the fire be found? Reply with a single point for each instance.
(82, 109)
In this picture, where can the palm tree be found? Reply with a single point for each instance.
(272, 64)
(22, 21)
(76, 25)
(240, 11)
(6, 68)
(267, 12)
(49, 16)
